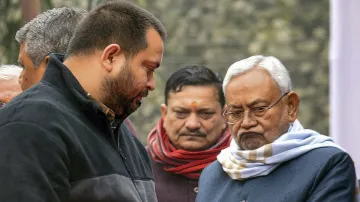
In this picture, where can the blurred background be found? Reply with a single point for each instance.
(216, 33)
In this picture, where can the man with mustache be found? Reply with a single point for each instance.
(190, 134)
(272, 157)
(60, 140)
(9, 86)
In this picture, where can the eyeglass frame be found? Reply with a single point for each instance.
(225, 113)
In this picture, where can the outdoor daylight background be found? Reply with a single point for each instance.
(217, 33)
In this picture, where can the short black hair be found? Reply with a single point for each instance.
(194, 75)
(119, 22)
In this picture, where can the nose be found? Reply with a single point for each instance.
(151, 82)
(248, 121)
(192, 123)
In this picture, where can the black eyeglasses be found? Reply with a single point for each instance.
(238, 115)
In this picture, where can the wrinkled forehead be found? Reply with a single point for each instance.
(194, 97)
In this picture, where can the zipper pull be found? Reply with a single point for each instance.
(121, 153)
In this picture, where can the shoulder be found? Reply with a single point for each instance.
(317, 161)
(26, 138)
(325, 155)
(332, 158)
(213, 183)
(213, 167)
(213, 173)
(35, 105)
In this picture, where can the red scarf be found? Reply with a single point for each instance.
(178, 161)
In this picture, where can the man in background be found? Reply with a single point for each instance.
(190, 133)
(49, 32)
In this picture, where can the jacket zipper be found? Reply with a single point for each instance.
(116, 141)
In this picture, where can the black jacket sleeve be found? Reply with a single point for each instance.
(335, 181)
(33, 164)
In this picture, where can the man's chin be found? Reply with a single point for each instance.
(193, 144)
(127, 108)
(132, 107)
(193, 148)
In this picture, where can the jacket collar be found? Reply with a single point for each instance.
(60, 77)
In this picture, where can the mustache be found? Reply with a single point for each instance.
(144, 93)
(245, 134)
(193, 133)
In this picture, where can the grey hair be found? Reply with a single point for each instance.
(9, 72)
(277, 70)
(49, 32)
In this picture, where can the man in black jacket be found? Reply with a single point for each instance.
(61, 140)
(48, 32)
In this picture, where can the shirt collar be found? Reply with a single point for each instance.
(107, 111)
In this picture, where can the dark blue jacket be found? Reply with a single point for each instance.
(322, 175)
(56, 144)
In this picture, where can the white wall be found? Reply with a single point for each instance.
(345, 76)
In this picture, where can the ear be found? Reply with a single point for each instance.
(108, 56)
(163, 108)
(293, 106)
(44, 63)
(46, 59)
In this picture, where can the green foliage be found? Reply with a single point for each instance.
(10, 21)
(216, 33)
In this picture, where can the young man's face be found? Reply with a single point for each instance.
(135, 78)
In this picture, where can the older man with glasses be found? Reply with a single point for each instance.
(272, 157)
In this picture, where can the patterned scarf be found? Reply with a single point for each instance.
(242, 164)
(177, 161)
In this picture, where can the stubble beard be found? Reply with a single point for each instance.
(115, 91)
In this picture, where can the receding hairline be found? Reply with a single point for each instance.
(278, 72)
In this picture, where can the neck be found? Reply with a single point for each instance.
(85, 71)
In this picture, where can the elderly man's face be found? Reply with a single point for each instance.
(8, 90)
(193, 118)
(256, 89)
(30, 75)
